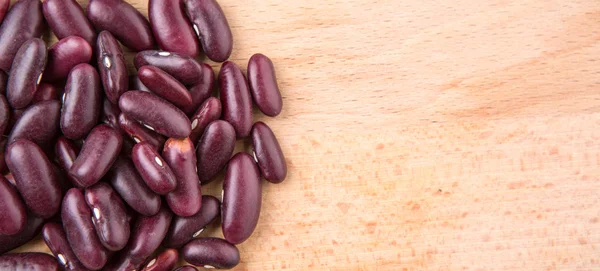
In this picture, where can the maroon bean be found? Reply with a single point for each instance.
(28, 261)
(201, 90)
(22, 22)
(148, 233)
(212, 28)
(155, 113)
(26, 73)
(110, 114)
(109, 216)
(4, 113)
(12, 209)
(179, 155)
(184, 68)
(81, 102)
(112, 67)
(64, 55)
(209, 111)
(241, 199)
(235, 96)
(211, 253)
(164, 85)
(77, 222)
(186, 268)
(139, 133)
(11, 179)
(263, 85)
(3, 8)
(32, 228)
(214, 149)
(124, 21)
(45, 92)
(66, 152)
(56, 240)
(165, 261)
(136, 84)
(35, 177)
(171, 27)
(153, 169)
(61, 176)
(127, 182)
(120, 263)
(66, 18)
(15, 115)
(184, 229)
(268, 154)
(3, 167)
(39, 123)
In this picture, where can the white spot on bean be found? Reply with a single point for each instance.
(196, 29)
(64, 97)
(254, 154)
(196, 169)
(222, 192)
(209, 267)
(151, 263)
(198, 233)
(62, 259)
(194, 124)
(39, 78)
(137, 140)
(107, 62)
(149, 127)
(158, 161)
(163, 53)
(97, 213)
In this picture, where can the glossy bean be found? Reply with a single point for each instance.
(202, 90)
(45, 92)
(35, 177)
(127, 182)
(211, 253)
(184, 229)
(153, 169)
(66, 18)
(31, 229)
(22, 22)
(64, 55)
(186, 268)
(26, 73)
(152, 111)
(148, 233)
(171, 27)
(236, 100)
(214, 149)
(242, 197)
(56, 240)
(39, 123)
(268, 154)
(110, 114)
(4, 4)
(4, 113)
(109, 216)
(164, 85)
(139, 133)
(81, 102)
(112, 66)
(209, 111)
(212, 28)
(263, 85)
(77, 223)
(136, 84)
(165, 261)
(184, 68)
(66, 152)
(28, 261)
(179, 154)
(12, 209)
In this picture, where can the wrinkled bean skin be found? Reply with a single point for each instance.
(165, 261)
(109, 216)
(184, 68)
(140, 133)
(66, 152)
(209, 111)
(148, 233)
(201, 90)
(112, 67)
(81, 102)
(263, 85)
(179, 154)
(23, 22)
(136, 84)
(162, 116)
(212, 28)
(64, 55)
(3, 8)
(46, 92)
(77, 223)
(184, 229)
(164, 85)
(171, 27)
(12, 209)
(39, 123)
(267, 151)
(4, 114)
(153, 169)
(25, 73)
(214, 149)
(213, 252)
(31, 229)
(56, 240)
(66, 18)
(28, 261)
(124, 21)
(242, 197)
(127, 182)
(236, 100)
(186, 268)
(110, 114)
(35, 177)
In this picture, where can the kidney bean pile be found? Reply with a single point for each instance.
(109, 166)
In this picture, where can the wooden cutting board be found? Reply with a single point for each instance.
(427, 135)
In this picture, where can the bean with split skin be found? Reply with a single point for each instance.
(112, 66)
(4, 113)
(56, 240)
(179, 154)
(13, 215)
(236, 100)
(39, 123)
(171, 27)
(125, 179)
(267, 151)
(263, 85)
(26, 73)
(165, 261)
(184, 68)
(208, 112)
(211, 253)
(46, 92)
(64, 55)
(139, 133)
(212, 28)
(154, 170)
(22, 22)
(184, 229)
(31, 229)
(164, 85)
(109, 216)
(202, 90)
(66, 18)
(28, 261)
(81, 102)
(214, 149)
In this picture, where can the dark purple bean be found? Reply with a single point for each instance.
(66, 18)
(130, 186)
(153, 169)
(12, 209)
(99, 151)
(211, 253)
(26, 73)
(121, 262)
(184, 68)
(77, 222)
(165, 261)
(35, 177)
(3, 8)
(112, 67)
(64, 55)
(66, 152)
(46, 92)
(124, 21)
(241, 199)
(56, 240)
(179, 155)
(3, 167)
(62, 177)
(152, 111)
(109, 216)
(184, 229)
(4, 113)
(212, 28)
(136, 84)
(81, 102)
(28, 261)
(148, 233)
(209, 111)
(186, 268)
(201, 90)
(110, 114)
(236, 100)
(263, 85)
(15, 115)
(139, 133)
(171, 27)
(39, 123)
(214, 149)
(32, 228)
(23, 22)
(164, 85)
(268, 154)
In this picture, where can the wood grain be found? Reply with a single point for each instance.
(428, 135)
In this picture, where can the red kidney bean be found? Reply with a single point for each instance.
(3, 8)
(164, 85)
(124, 21)
(64, 55)
(268, 154)
(22, 22)
(212, 28)
(241, 199)
(28, 261)
(56, 240)
(3, 141)
(31, 229)
(211, 253)
(12, 209)
(165, 261)
(179, 155)
(136, 84)
(235, 96)
(77, 222)
(81, 102)
(127, 182)
(171, 27)
(186, 268)
(109, 216)
(139, 133)
(26, 73)
(184, 68)
(112, 67)
(4, 114)
(154, 112)
(209, 111)
(263, 85)
(110, 114)
(201, 90)
(66, 152)
(214, 149)
(184, 229)
(15, 115)
(45, 92)
(63, 182)
(148, 233)
(153, 169)
(39, 123)
(121, 262)
(66, 18)
(35, 177)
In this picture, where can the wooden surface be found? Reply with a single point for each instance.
(428, 135)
